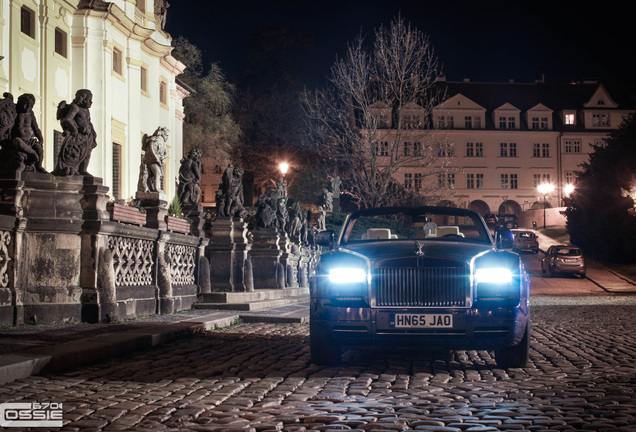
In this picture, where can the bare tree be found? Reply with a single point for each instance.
(374, 119)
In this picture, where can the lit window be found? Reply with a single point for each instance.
(570, 119)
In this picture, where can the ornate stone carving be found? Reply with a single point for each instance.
(229, 198)
(80, 137)
(132, 260)
(6, 258)
(155, 153)
(189, 178)
(182, 263)
(267, 207)
(20, 137)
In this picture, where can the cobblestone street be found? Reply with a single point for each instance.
(258, 377)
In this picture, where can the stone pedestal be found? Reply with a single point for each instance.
(303, 268)
(196, 214)
(156, 206)
(265, 256)
(94, 199)
(289, 260)
(227, 252)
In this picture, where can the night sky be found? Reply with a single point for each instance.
(483, 41)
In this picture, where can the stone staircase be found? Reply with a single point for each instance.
(258, 299)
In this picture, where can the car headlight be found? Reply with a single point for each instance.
(497, 278)
(495, 275)
(347, 275)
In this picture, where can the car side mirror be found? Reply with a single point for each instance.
(325, 238)
(504, 239)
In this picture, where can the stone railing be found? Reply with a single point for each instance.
(62, 257)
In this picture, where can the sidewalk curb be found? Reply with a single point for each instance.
(55, 358)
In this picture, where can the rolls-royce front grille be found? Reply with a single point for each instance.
(423, 287)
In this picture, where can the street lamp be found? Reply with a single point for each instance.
(545, 189)
(283, 167)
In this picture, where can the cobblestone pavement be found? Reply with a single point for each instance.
(257, 377)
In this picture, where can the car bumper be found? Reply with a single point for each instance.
(474, 328)
(569, 269)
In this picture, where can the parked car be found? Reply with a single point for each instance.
(525, 241)
(563, 259)
(418, 277)
(490, 219)
(507, 221)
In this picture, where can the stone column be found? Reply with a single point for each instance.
(265, 256)
(227, 252)
(96, 267)
(289, 260)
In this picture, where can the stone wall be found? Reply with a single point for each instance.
(63, 259)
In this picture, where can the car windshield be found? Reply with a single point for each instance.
(568, 252)
(431, 223)
(526, 235)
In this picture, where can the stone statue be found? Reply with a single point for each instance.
(155, 153)
(294, 226)
(327, 199)
(322, 217)
(335, 186)
(229, 198)
(266, 213)
(281, 213)
(79, 135)
(21, 136)
(281, 187)
(189, 178)
(161, 11)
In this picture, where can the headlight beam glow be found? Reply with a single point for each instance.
(493, 275)
(347, 275)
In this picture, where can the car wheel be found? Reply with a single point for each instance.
(515, 356)
(322, 350)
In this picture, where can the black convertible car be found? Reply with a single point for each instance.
(428, 277)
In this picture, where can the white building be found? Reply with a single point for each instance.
(118, 50)
(505, 139)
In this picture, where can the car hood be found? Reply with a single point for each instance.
(382, 250)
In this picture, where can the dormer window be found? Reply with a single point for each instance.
(569, 119)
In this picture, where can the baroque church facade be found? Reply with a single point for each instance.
(116, 49)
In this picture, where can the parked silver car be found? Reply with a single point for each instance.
(563, 259)
(525, 241)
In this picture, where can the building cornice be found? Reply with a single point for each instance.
(111, 13)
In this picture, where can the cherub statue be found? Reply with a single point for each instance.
(22, 139)
(155, 153)
(79, 135)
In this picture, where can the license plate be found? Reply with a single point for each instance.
(421, 321)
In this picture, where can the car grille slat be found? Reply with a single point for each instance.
(425, 287)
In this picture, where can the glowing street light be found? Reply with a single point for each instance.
(545, 189)
(283, 167)
(568, 189)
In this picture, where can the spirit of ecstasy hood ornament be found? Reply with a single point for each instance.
(420, 248)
